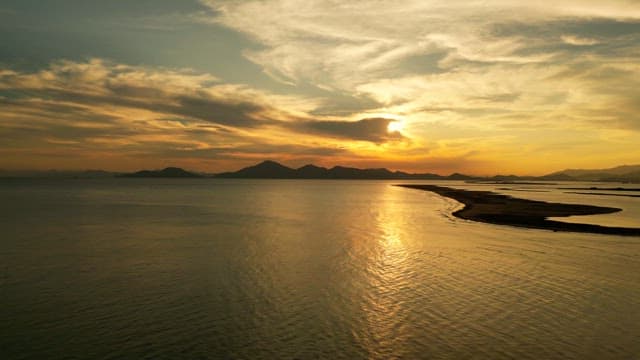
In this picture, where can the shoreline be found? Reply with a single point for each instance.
(493, 208)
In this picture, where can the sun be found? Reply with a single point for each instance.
(395, 126)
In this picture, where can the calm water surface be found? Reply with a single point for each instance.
(241, 269)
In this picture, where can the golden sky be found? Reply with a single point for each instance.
(479, 87)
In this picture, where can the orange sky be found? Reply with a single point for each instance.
(422, 86)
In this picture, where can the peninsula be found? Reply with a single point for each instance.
(493, 208)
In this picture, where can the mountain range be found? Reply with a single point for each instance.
(272, 170)
(624, 173)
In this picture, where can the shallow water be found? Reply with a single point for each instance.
(264, 269)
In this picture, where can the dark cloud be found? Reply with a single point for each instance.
(48, 110)
(87, 90)
(371, 129)
(26, 123)
(241, 114)
(219, 111)
(135, 91)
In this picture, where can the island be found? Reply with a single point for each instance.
(493, 208)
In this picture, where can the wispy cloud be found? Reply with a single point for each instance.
(334, 43)
(100, 105)
(478, 59)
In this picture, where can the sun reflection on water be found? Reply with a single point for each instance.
(389, 275)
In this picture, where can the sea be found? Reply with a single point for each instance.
(306, 269)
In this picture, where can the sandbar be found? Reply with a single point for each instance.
(604, 194)
(600, 188)
(493, 208)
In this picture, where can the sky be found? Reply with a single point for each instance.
(479, 87)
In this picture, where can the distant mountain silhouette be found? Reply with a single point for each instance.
(624, 173)
(457, 176)
(273, 170)
(311, 172)
(170, 172)
(341, 172)
(265, 170)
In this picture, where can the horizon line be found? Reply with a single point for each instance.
(299, 167)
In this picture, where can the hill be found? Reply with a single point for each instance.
(624, 173)
(170, 172)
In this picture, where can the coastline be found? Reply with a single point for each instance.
(493, 208)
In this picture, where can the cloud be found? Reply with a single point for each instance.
(109, 108)
(242, 114)
(98, 86)
(179, 93)
(341, 45)
(485, 66)
(372, 129)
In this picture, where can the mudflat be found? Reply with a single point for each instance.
(493, 208)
